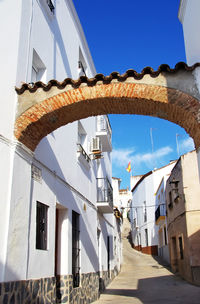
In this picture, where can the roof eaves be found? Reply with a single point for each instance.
(142, 178)
(105, 79)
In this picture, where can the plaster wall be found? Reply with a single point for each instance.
(183, 217)
(54, 193)
(189, 17)
(11, 25)
(67, 183)
(145, 192)
(5, 193)
(116, 187)
(191, 24)
(18, 232)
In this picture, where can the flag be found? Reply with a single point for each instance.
(128, 169)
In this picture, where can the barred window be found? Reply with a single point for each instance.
(41, 226)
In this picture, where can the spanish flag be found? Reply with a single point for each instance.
(128, 169)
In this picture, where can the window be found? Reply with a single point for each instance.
(170, 205)
(41, 226)
(165, 235)
(82, 136)
(75, 249)
(38, 72)
(146, 237)
(83, 157)
(180, 240)
(82, 66)
(145, 212)
(50, 5)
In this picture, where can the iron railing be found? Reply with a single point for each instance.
(160, 211)
(82, 151)
(104, 191)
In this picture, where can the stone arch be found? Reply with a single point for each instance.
(166, 93)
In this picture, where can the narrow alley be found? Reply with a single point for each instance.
(144, 280)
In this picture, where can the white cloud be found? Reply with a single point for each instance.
(121, 157)
(186, 145)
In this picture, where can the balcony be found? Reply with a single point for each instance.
(160, 214)
(104, 132)
(104, 195)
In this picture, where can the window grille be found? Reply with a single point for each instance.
(75, 249)
(41, 226)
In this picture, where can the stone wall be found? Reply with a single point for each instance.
(87, 292)
(42, 291)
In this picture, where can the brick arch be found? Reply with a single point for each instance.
(50, 113)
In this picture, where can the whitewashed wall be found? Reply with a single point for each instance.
(145, 192)
(189, 17)
(66, 183)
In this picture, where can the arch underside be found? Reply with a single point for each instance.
(122, 98)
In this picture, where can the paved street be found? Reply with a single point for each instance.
(144, 280)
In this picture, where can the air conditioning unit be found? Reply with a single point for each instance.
(95, 145)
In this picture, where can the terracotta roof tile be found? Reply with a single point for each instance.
(105, 79)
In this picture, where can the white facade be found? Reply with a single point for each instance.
(121, 197)
(189, 17)
(142, 210)
(40, 44)
(161, 220)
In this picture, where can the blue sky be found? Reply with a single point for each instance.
(133, 34)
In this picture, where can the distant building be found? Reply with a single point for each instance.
(183, 217)
(161, 221)
(121, 197)
(142, 210)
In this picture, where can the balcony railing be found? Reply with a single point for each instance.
(104, 191)
(160, 211)
(82, 152)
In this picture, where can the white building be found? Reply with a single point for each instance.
(189, 18)
(58, 232)
(161, 220)
(121, 197)
(142, 210)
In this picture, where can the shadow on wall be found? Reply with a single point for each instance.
(194, 249)
(58, 42)
(70, 201)
(20, 292)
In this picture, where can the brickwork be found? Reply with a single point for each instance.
(118, 98)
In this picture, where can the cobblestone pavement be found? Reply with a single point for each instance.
(144, 280)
